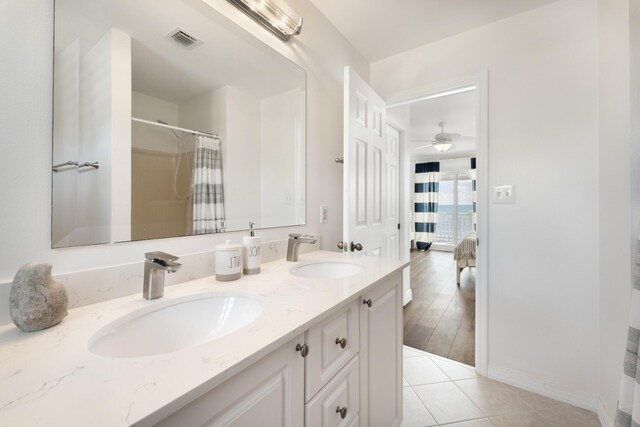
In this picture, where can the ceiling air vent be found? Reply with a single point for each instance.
(184, 38)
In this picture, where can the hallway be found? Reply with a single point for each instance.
(441, 317)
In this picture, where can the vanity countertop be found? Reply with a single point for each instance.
(50, 378)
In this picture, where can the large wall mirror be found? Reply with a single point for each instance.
(170, 120)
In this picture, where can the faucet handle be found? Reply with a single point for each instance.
(294, 235)
(162, 256)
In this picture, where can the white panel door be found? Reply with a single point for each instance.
(392, 174)
(364, 167)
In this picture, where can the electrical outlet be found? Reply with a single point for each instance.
(504, 194)
(324, 214)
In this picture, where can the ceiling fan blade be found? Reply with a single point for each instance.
(423, 140)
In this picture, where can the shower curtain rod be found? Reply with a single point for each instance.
(194, 132)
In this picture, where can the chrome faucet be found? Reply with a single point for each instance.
(155, 265)
(294, 241)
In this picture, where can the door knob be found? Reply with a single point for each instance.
(303, 349)
(341, 245)
(342, 411)
(356, 246)
(341, 342)
(367, 302)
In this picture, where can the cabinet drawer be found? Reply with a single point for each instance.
(343, 391)
(332, 344)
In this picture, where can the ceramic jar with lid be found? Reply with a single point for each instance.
(228, 262)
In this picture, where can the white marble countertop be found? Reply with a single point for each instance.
(50, 378)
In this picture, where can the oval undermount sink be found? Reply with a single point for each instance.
(326, 269)
(175, 325)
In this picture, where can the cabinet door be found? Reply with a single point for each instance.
(269, 393)
(381, 354)
(332, 344)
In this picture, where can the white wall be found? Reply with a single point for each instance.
(94, 185)
(92, 124)
(149, 137)
(543, 114)
(281, 156)
(65, 139)
(25, 120)
(634, 30)
(120, 136)
(205, 112)
(619, 189)
(241, 150)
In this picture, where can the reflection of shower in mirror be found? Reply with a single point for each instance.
(181, 150)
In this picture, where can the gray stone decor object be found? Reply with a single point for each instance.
(36, 300)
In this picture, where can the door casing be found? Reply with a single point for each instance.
(449, 87)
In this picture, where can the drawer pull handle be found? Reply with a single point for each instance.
(342, 411)
(303, 349)
(341, 342)
(368, 302)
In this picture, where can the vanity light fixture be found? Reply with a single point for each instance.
(274, 15)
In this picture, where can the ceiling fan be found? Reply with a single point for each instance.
(443, 141)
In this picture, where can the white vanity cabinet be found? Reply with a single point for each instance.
(269, 393)
(351, 375)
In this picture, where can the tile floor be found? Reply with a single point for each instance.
(441, 392)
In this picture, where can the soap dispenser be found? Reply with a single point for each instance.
(251, 252)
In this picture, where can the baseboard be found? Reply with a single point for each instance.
(407, 297)
(549, 389)
(603, 414)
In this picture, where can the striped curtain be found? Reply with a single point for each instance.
(426, 203)
(473, 190)
(208, 191)
(628, 413)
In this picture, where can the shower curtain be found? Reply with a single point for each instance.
(628, 413)
(426, 203)
(208, 191)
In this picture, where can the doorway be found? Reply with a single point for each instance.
(442, 318)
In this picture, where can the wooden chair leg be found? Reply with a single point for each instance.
(458, 271)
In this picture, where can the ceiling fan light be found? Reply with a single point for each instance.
(443, 146)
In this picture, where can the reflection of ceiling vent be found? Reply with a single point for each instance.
(184, 38)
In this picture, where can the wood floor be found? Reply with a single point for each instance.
(440, 319)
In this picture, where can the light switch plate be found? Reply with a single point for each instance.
(504, 194)
(324, 214)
